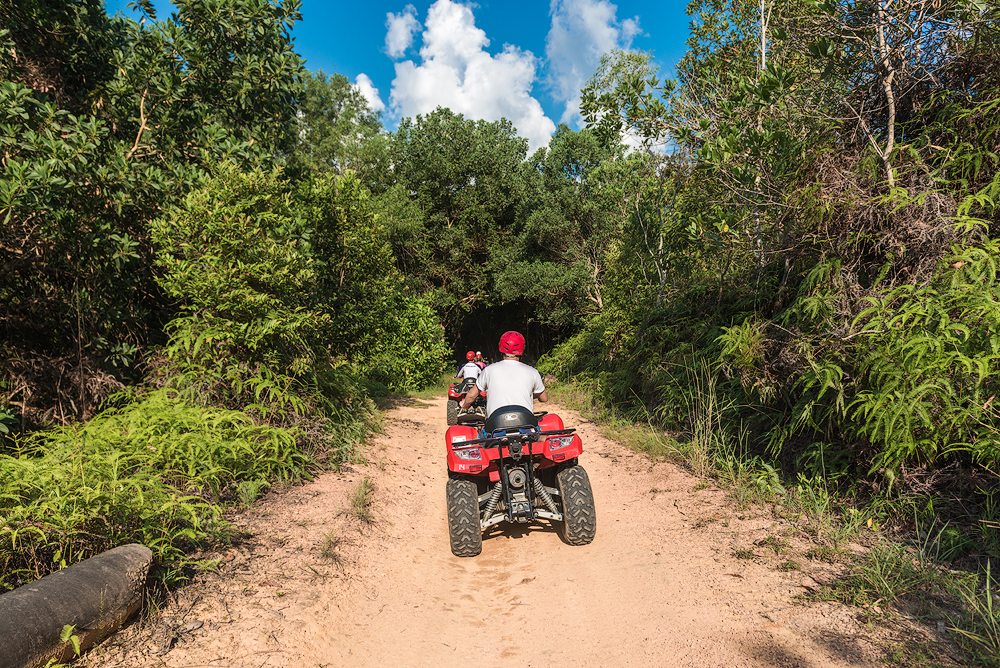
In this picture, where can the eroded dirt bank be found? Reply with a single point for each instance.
(660, 585)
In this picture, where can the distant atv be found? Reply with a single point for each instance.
(456, 394)
(518, 468)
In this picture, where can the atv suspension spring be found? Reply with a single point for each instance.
(544, 495)
(491, 503)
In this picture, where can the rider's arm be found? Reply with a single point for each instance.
(471, 396)
(542, 396)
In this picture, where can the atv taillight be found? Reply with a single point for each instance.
(560, 442)
(468, 453)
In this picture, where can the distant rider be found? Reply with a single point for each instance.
(470, 369)
(508, 382)
(480, 361)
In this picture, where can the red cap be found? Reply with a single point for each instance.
(470, 355)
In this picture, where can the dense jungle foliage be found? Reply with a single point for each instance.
(819, 227)
(210, 251)
(169, 286)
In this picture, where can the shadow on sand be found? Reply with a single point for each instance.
(518, 531)
(390, 402)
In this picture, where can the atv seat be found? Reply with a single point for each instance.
(510, 417)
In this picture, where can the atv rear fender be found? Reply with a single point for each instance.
(550, 422)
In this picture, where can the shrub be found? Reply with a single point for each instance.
(156, 472)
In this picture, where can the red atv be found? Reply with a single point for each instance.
(456, 394)
(516, 467)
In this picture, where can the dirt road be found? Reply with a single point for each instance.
(660, 585)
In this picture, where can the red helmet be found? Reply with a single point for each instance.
(512, 343)
(470, 355)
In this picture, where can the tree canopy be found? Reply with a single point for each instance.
(180, 196)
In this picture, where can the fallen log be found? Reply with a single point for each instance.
(94, 597)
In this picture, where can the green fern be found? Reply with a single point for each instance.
(930, 362)
(155, 472)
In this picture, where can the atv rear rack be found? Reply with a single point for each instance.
(463, 445)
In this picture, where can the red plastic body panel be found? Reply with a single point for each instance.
(550, 422)
(457, 435)
(485, 464)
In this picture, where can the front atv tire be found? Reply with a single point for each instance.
(463, 517)
(452, 412)
(579, 525)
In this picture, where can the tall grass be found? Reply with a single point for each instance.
(154, 472)
(637, 432)
(711, 448)
(979, 627)
(891, 576)
(361, 500)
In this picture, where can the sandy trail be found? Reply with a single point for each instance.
(660, 585)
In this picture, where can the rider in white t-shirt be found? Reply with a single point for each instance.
(470, 369)
(508, 382)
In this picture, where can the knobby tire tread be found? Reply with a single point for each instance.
(579, 524)
(452, 412)
(464, 529)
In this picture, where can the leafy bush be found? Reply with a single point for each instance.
(239, 260)
(154, 472)
(287, 276)
(909, 378)
(930, 364)
(391, 336)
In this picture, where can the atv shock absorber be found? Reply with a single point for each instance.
(544, 495)
(491, 503)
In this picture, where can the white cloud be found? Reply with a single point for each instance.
(582, 30)
(399, 31)
(456, 72)
(368, 89)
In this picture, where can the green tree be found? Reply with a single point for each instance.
(463, 177)
(286, 277)
(389, 335)
(238, 259)
(338, 131)
(105, 121)
(556, 260)
(834, 214)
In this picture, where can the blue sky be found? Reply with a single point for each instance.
(524, 60)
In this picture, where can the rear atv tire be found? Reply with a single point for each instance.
(452, 412)
(463, 517)
(579, 525)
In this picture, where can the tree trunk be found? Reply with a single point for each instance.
(889, 74)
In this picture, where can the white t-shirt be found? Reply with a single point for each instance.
(510, 383)
(470, 370)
